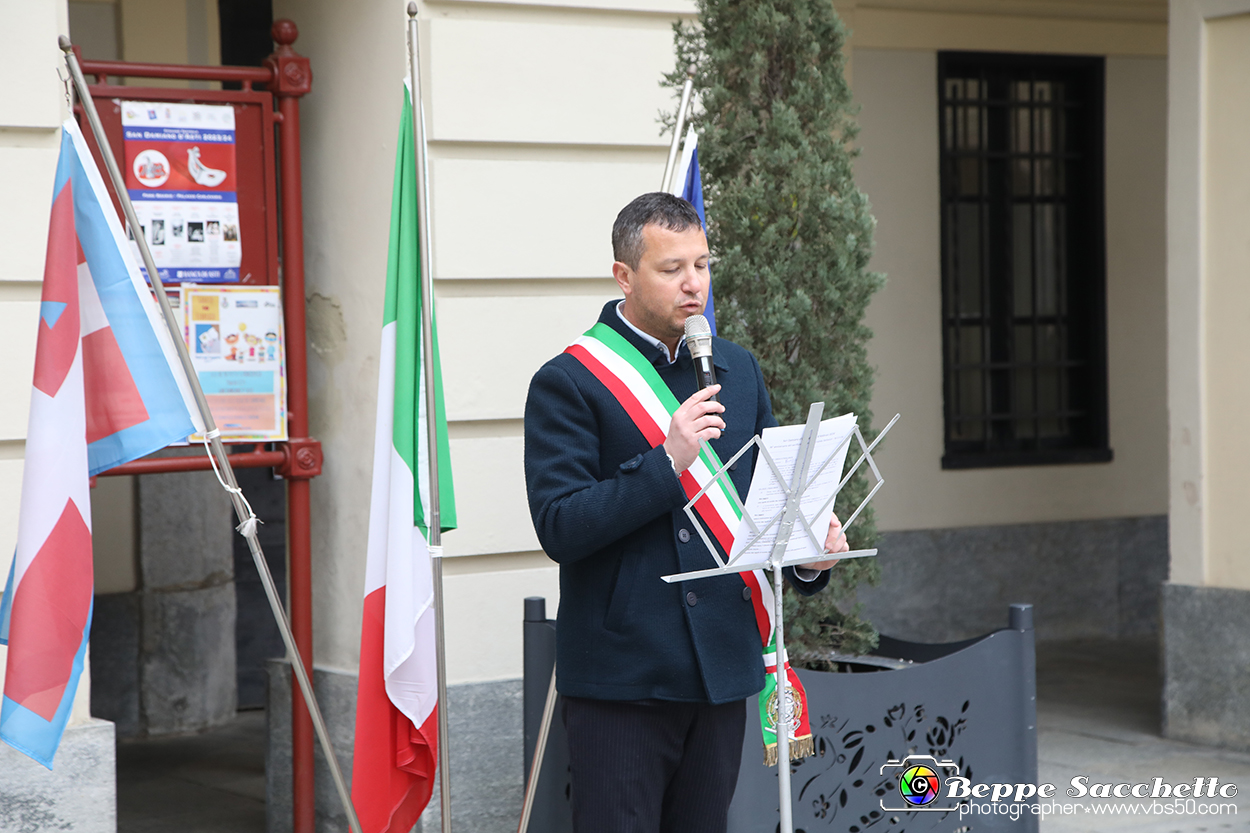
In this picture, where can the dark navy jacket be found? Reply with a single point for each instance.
(608, 507)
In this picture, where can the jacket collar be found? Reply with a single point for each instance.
(658, 356)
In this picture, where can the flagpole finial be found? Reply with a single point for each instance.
(63, 42)
(412, 8)
(690, 68)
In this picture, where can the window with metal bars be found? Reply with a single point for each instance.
(1023, 265)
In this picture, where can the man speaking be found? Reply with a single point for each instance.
(653, 676)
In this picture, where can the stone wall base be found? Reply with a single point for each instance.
(1206, 665)
(1085, 579)
(164, 662)
(79, 793)
(486, 750)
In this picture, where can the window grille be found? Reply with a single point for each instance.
(1023, 265)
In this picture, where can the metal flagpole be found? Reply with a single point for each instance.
(217, 451)
(801, 466)
(666, 184)
(433, 522)
(540, 749)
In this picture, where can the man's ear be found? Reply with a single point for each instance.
(624, 276)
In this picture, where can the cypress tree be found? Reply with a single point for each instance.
(790, 237)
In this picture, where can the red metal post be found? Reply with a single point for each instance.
(292, 79)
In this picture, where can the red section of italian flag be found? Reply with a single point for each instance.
(392, 783)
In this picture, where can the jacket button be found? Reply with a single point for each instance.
(746, 594)
(683, 535)
(692, 599)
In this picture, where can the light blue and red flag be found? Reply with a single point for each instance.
(689, 186)
(107, 389)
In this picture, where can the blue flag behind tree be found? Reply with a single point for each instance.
(689, 186)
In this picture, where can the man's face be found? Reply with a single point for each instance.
(670, 283)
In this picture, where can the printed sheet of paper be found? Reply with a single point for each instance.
(234, 334)
(767, 497)
(180, 172)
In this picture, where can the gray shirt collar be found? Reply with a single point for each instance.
(650, 339)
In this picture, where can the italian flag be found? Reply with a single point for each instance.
(396, 744)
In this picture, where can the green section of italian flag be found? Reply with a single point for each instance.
(403, 312)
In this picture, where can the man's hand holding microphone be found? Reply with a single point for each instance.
(698, 419)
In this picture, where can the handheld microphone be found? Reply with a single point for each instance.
(699, 340)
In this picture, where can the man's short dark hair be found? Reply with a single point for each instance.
(658, 208)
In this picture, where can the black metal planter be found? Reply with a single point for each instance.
(970, 702)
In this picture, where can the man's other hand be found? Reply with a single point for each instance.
(835, 542)
(694, 421)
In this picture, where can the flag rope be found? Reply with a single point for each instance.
(248, 527)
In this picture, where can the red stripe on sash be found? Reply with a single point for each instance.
(707, 511)
(653, 433)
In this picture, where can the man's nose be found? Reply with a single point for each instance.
(692, 281)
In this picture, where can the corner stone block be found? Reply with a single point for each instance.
(185, 529)
(1206, 665)
(189, 680)
(115, 627)
(336, 696)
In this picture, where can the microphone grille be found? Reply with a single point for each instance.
(696, 325)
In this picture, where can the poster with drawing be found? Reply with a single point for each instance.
(180, 172)
(234, 334)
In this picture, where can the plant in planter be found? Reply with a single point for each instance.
(791, 237)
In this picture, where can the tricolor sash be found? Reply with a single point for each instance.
(637, 386)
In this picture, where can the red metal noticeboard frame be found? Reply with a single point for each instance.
(271, 220)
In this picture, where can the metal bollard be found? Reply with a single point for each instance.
(539, 657)
(550, 812)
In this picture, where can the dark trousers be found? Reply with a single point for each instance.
(655, 767)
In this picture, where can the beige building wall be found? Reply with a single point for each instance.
(1207, 297)
(898, 169)
(1226, 299)
(31, 113)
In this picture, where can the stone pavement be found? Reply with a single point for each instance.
(1098, 715)
(212, 782)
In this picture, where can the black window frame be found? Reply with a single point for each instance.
(1079, 315)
